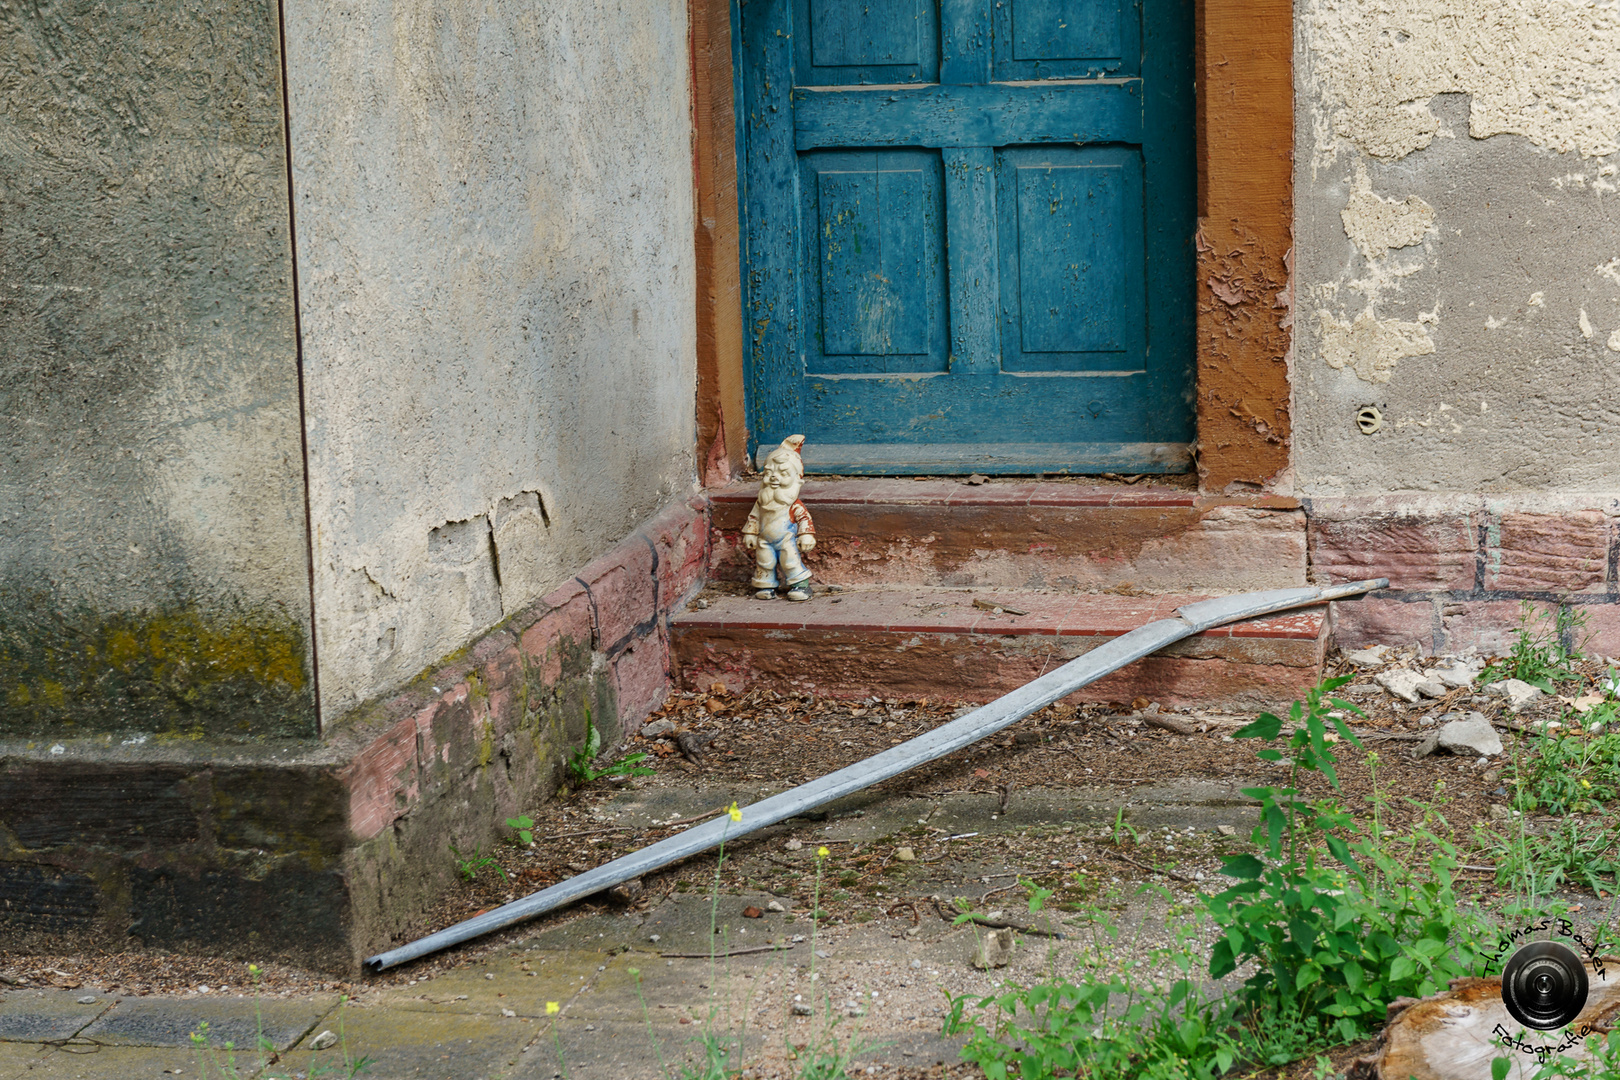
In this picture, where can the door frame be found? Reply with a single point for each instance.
(1244, 74)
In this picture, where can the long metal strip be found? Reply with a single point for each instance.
(964, 731)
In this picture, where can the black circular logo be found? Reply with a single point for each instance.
(1544, 985)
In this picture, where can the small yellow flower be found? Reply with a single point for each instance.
(1586, 783)
(822, 852)
(736, 814)
(552, 1008)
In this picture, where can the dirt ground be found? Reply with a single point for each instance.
(762, 742)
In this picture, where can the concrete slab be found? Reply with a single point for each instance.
(504, 983)
(47, 1015)
(166, 1021)
(82, 1060)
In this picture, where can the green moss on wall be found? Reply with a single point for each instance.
(183, 672)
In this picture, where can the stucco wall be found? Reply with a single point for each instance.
(493, 206)
(153, 566)
(1457, 246)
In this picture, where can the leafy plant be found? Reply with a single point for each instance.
(524, 824)
(1543, 648)
(1604, 1063)
(1335, 942)
(1094, 1028)
(582, 762)
(1104, 1026)
(469, 865)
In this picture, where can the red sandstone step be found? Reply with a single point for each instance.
(1075, 535)
(934, 643)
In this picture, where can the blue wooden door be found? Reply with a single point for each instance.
(968, 232)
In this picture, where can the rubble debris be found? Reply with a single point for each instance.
(1456, 673)
(627, 892)
(1167, 723)
(1407, 685)
(1372, 656)
(1518, 693)
(691, 745)
(993, 949)
(1472, 735)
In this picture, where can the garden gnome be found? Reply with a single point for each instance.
(779, 527)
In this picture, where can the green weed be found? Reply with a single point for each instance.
(524, 824)
(1543, 648)
(1336, 922)
(1570, 772)
(1604, 1063)
(469, 865)
(1336, 940)
(1569, 852)
(582, 762)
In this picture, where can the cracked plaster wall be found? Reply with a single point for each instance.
(1457, 245)
(494, 223)
(154, 575)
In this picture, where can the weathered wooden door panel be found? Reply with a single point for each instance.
(968, 228)
(1071, 259)
(875, 296)
(1065, 39)
(840, 42)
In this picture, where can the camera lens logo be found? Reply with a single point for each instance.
(1544, 985)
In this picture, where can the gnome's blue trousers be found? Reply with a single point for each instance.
(779, 555)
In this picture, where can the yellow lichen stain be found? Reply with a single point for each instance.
(486, 745)
(193, 659)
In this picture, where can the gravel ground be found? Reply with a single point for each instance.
(764, 742)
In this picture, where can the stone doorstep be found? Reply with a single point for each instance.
(936, 643)
(1032, 535)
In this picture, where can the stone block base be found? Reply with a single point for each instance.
(1461, 567)
(322, 853)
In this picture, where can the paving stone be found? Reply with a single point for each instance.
(410, 1045)
(45, 1015)
(166, 1021)
(623, 1050)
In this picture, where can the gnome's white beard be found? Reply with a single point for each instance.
(775, 498)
